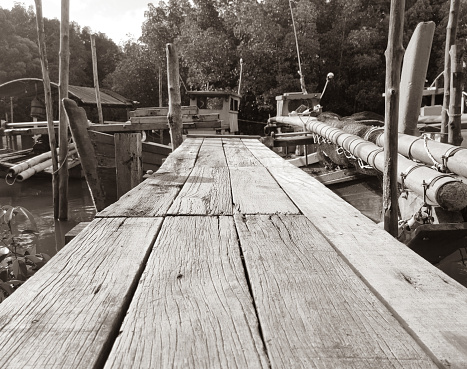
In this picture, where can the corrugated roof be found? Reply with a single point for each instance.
(25, 87)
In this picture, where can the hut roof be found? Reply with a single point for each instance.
(29, 87)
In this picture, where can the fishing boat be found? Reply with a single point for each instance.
(432, 175)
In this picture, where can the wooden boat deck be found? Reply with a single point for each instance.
(229, 257)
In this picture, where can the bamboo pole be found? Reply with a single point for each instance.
(175, 102)
(394, 54)
(455, 101)
(63, 125)
(21, 167)
(96, 79)
(48, 105)
(451, 33)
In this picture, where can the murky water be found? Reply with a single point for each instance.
(35, 195)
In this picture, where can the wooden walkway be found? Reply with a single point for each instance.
(229, 257)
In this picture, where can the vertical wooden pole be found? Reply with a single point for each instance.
(96, 79)
(160, 86)
(455, 101)
(451, 33)
(11, 110)
(175, 100)
(128, 161)
(394, 54)
(62, 94)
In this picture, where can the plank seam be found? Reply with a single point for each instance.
(272, 175)
(250, 291)
(117, 324)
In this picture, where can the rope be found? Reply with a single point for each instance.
(436, 165)
(6, 179)
(302, 77)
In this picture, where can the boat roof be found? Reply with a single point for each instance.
(30, 87)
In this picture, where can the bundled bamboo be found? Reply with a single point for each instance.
(434, 153)
(437, 188)
(38, 168)
(21, 167)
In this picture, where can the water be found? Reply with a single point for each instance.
(35, 194)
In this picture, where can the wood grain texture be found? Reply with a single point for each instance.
(211, 153)
(237, 154)
(206, 192)
(128, 161)
(313, 310)
(192, 308)
(426, 301)
(69, 313)
(255, 191)
(156, 194)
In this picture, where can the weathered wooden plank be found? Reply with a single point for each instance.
(211, 153)
(185, 118)
(69, 313)
(313, 309)
(425, 300)
(192, 308)
(255, 191)
(206, 192)
(156, 194)
(237, 153)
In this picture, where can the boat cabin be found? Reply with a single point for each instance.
(224, 103)
(291, 101)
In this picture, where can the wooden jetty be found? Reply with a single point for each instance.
(230, 257)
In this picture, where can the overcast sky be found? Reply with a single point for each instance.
(115, 18)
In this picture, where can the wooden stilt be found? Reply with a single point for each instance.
(128, 161)
(394, 54)
(175, 101)
(63, 125)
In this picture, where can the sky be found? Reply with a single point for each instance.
(116, 18)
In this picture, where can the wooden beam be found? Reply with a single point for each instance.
(86, 153)
(175, 100)
(394, 54)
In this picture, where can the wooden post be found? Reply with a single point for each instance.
(11, 110)
(96, 79)
(455, 101)
(175, 101)
(63, 125)
(128, 161)
(78, 125)
(160, 85)
(451, 33)
(394, 54)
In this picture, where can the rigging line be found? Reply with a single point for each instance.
(302, 79)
